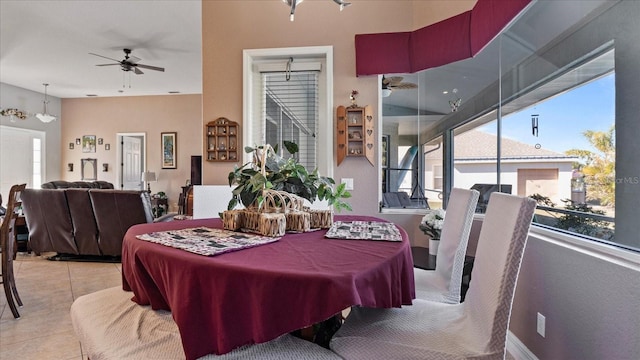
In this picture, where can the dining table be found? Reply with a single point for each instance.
(256, 294)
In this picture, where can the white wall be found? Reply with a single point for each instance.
(467, 174)
(589, 294)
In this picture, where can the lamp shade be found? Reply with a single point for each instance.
(148, 176)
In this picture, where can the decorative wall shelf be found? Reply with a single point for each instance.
(222, 140)
(355, 133)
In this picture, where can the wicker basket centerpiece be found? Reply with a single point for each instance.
(273, 190)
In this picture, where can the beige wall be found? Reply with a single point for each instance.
(429, 12)
(105, 117)
(229, 27)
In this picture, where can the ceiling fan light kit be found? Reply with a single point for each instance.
(293, 3)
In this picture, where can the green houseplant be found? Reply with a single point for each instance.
(269, 170)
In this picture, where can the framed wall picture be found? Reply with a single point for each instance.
(99, 141)
(88, 143)
(169, 141)
(71, 146)
(107, 147)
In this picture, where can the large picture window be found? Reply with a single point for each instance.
(539, 112)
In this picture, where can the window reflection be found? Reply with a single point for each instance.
(528, 115)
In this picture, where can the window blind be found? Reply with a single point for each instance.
(290, 113)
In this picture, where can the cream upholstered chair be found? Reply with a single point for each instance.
(476, 328)
(110, 325)
(444, 283)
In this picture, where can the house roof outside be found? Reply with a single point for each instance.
(476, 145)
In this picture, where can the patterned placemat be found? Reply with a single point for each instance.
(364, 230)
(206, 241)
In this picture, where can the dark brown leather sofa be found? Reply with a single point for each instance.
(62, 184)
(82, 221)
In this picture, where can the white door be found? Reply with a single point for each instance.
(20, 161)
(132, 163)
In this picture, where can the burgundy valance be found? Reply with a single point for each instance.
(452, 39)
(394, 46)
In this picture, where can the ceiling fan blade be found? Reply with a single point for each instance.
(118, 61)
(107, 64)
(137, 71)
(404, 86)
(150, 67)
(395, 79)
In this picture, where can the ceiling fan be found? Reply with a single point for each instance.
(129, 63)
(389, 84)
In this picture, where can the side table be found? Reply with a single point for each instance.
(21, 235)
(423, 260)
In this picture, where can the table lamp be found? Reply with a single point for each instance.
(148, 176)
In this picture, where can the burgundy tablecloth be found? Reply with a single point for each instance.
(255, 295)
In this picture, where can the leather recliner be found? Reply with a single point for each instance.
(83, 221)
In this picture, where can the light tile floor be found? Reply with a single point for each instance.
(47, 289)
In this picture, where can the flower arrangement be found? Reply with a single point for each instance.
(14, 112)
(432, 223)
(353, 96)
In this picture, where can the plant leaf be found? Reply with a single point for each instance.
(232, 203)
(291, 147)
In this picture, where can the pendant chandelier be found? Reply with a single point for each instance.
(294, 3)
(44, 116)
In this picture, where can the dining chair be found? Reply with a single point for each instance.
(476, 328)
(3, 210)
(444, 283)
(110, 326)
(7, 244)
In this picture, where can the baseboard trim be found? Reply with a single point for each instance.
(516, 348)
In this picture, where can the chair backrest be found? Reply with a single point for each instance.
(500, 247)
(455, 237)
(8, 222)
